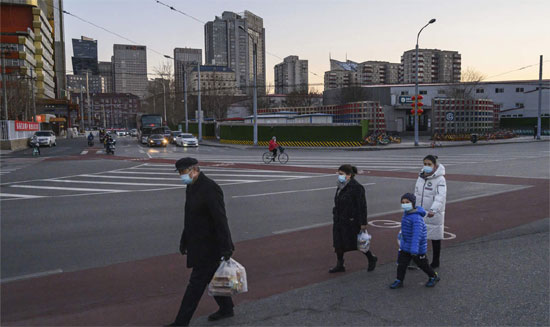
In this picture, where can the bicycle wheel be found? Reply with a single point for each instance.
(283, 158)
(267, 156)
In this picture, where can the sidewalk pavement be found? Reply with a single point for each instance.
(500, 279)
(407, 143)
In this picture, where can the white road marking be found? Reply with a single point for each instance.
(84, 152)
(23, 196)
(68, 188)
(128, 177)
(100, 182)
(39, 274)
(398, 211)
(149, 155)
(294, 191)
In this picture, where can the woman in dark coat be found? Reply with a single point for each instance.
(349, 216)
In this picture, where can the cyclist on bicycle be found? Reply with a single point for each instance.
(273, 147)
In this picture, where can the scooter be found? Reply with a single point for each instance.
(35, 148)
(110, 148)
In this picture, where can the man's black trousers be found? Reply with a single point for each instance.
(403, 260)
(200, 277)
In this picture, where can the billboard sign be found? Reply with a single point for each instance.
(26, 126)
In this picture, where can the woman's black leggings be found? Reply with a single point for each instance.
(436, 245)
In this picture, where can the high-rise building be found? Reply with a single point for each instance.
(230, 40)
(434, 66)
(85, 56)
(95, 83)
(28, 45)
(350, 73)
(215, 80)
(130, 69)
(184, 59)
(55, 17)
(106, 71)
(377, 72)
(291, 76)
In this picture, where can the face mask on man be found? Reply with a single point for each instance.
(341, 178)
(407, 206)
(427, 169)
(186, 179)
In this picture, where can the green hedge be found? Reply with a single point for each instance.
(208, 129)
(524, 123)
(288, 133)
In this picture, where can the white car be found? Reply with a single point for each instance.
(46, 138)
(185, 139)
(121, 133)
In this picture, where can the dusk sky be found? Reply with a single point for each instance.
(493, 37)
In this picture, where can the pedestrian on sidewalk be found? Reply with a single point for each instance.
(205, 239)
(350, 217)
(431, 194)
(535, 130)
(413, 244)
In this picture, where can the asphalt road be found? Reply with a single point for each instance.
(74, 209)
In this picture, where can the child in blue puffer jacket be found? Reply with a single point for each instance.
(413, 242)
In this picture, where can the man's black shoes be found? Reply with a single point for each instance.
(218, 315)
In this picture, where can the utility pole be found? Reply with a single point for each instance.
(199, 103)
(4, 85)
(104, 118)
(540, 100)
(185, 97)
(255, 97)
(88, 102)
(33, 97)
(164, 100)
(81, 105)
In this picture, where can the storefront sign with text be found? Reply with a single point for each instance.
(26, 126)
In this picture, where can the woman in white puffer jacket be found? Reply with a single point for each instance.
(431, 194)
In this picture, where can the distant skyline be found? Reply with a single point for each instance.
(493, 37)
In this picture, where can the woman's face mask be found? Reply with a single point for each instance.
(341, 178)
(428, 167)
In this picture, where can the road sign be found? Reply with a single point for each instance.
(450, 116)
(405, 99)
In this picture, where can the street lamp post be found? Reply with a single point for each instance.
(416, 85)
(255, 94)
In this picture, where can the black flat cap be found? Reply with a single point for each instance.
(185, 163)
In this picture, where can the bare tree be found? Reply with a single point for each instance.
(466, 89)
(19, 97)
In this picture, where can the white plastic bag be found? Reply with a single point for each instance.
(399, 239)
(363, 241)
(229, 279)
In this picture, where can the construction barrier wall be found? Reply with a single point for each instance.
(294, 135)
(208, 130)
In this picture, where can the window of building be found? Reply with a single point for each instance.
(423, 92)
(519, 105)
(440, 91)
(404, 92)
(499, 90)
(480, 91)
(519, 89)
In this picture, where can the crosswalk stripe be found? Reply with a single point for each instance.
(114, 183)
(23, 196)
(128, 177)
(68, 188)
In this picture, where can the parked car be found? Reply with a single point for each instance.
(173, 136)
(186, 139)
(45, 138)
(157, 140)
(122, 133)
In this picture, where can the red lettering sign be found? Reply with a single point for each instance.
(26, 126)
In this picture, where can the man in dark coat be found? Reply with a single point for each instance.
(349, 216)
(205, 239)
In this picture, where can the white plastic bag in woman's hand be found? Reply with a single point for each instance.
(229, 279)
(363, 241)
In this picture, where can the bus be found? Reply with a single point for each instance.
(148, 124)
